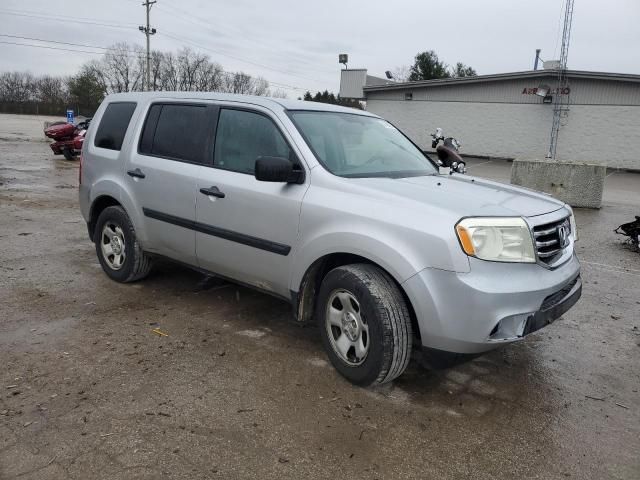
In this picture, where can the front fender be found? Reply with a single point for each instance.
(374, 249)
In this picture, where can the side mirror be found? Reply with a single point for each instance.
(278, 169)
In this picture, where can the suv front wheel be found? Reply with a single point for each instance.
(117, 247)
(365, 324)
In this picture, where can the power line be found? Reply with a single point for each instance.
(61, 18)
(50, 48)
(55, 41)
(92, 21)
(186, 40)
(203, 24)
(109, 50)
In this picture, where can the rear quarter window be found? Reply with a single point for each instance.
(113, 125)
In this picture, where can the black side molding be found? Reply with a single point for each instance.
(255, 242)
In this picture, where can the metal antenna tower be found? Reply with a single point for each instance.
(561, 99)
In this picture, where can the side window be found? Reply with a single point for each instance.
(244, 136)
(113, 125)
(180, 132)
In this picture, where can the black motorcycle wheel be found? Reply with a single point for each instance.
(68, 154)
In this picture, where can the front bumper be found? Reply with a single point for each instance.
(554, 306)
(493, 304)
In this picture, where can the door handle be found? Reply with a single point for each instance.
(212, 192)
(137, 173)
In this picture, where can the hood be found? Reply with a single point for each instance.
(465, 195)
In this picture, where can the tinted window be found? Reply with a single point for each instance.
(180, 132)
(149, 129)
(244, 136)
(113, 125)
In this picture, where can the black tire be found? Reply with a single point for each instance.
(136, 264)
(384, 310)
(68, 154)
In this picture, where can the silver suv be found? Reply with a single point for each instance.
(333, 210)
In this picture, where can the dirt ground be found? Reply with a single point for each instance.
(88, 391)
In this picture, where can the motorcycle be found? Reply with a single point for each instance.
(68, 138)
(631, 230)
(448, 152)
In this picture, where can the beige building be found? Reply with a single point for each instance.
(508, 115)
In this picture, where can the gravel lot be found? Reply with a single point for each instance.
(237, 391)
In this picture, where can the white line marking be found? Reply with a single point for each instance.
(611, 268)
(478, 164)
(624, 269)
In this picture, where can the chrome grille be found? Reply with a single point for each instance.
(551, 239)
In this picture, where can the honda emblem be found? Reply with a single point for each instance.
(563, 235)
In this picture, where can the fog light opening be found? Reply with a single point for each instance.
(495, 329)
(509, 328)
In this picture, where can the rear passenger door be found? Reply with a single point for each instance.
(175, 142)
(247, 229)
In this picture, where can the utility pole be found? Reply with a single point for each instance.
(148, 31)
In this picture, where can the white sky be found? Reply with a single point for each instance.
(296, 42)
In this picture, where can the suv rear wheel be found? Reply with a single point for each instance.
(117, 247)
(365, 324)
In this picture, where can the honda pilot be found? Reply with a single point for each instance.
(333, 210)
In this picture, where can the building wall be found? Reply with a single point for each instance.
(582, 92)
(497, 119)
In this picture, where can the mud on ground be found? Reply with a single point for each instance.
(235, 390)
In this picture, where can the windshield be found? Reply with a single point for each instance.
(351, 145)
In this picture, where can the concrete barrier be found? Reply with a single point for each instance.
(578, 184)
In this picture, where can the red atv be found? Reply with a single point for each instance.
(68, 138)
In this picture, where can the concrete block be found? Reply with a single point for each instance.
(578, 184)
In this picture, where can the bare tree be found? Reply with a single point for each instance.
(121, 68)
(278, 93)
(402, 74)
(156, 69)
(260, 87)
(17, 87)
(210, 78)
(169, 72)
(238, 82)
(51, 90)
(190, 66)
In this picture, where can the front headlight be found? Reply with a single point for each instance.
(574, 227)
(498, 239)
